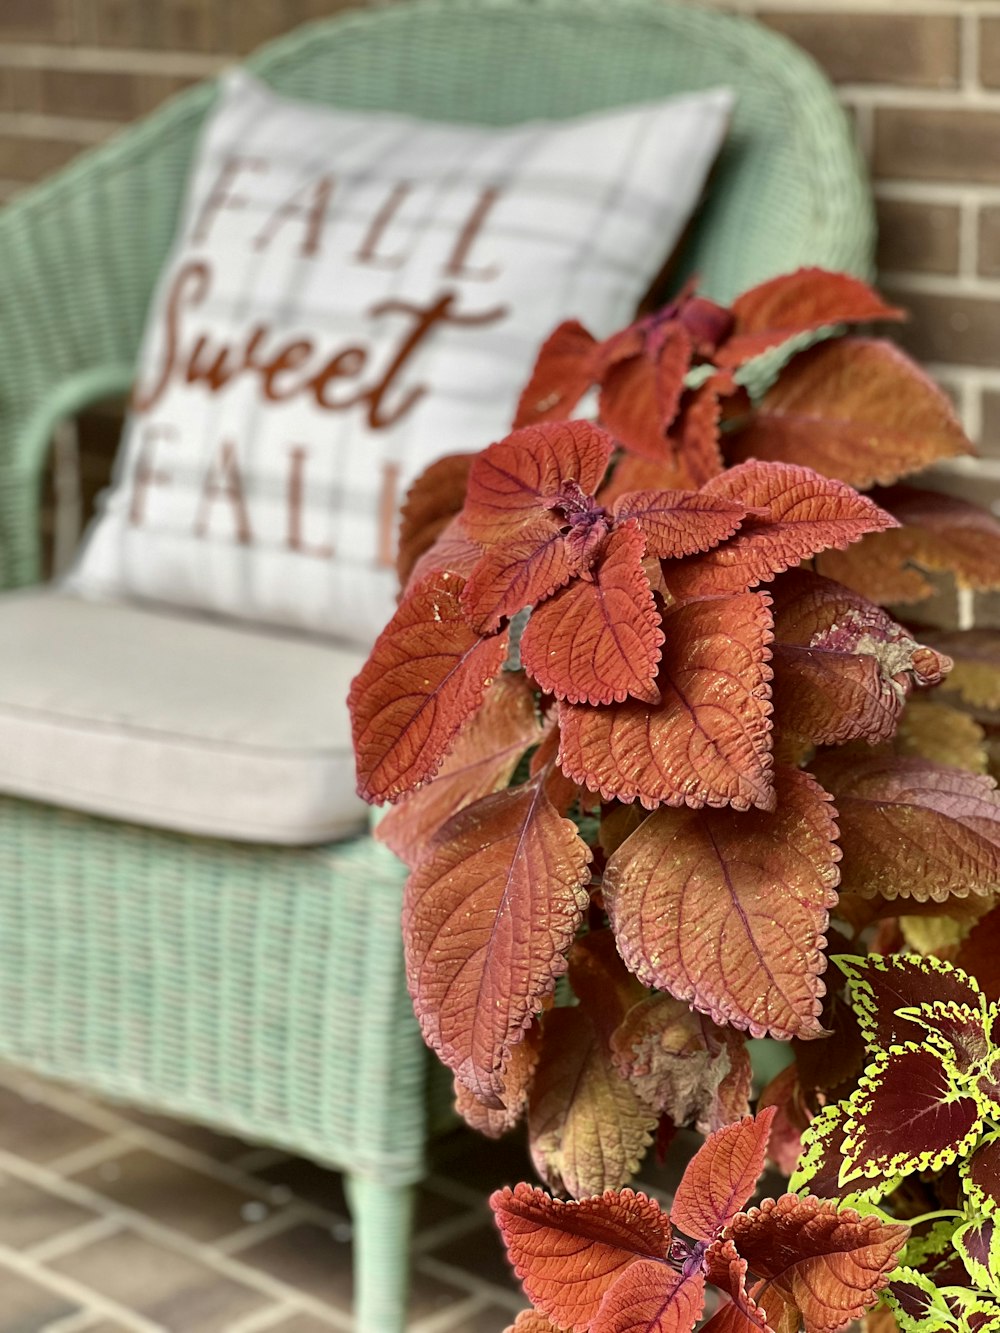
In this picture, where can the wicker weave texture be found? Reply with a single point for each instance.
(255, 989)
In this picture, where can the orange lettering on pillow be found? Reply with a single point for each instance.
(368, 251)
(424, 320)
(146, 472)
(313, 214)
(456, 265)
(296, 495)
(221, 195)
(196, 278)
(224, 482)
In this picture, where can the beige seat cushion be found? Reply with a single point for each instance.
(176, 721)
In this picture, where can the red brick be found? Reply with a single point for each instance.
(960, 330)
(917, 236)
(917, 50)
(989, 241)
(989, 51)
(930, 143)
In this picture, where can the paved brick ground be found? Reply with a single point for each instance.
(113, 1220)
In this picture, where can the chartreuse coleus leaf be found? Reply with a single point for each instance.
(980, 1173)
(907, 1115)
(971, 1313)
(822, 1156)
(882, 985)
(916, 1302)
(978, 1242)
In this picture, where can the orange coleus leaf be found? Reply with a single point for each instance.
(426, 675)
(532, 1321)
(740, 1314)
(450, 553)
(798, 514)
(568, 1255)
(827, 1261)
(495, 1121)
(810, 298)
(431, 502)
(588, 1128)
(563, 373)
(651, 1298)
(694, 435)
(913, 829)
(516, 573)
(639, 394)
(708, 740)
(975, 674)
(632, 473)
(856, 409)
(721, 1177)
(939, 533)
(759, 885)
(599, 639)
(682, 1064)
(843, 668)
(483, 760)
(487, 919)
(515, 484)
(678, 523)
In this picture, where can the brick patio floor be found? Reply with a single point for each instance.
(112, 1220)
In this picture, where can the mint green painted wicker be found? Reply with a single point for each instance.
(262, 990)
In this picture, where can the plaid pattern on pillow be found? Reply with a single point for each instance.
(350, 296)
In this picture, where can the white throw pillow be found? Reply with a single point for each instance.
(351, 295)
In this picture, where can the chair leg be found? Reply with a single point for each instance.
(382, 1215)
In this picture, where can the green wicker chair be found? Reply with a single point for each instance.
(261, 990)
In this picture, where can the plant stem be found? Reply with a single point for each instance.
(932, 1217)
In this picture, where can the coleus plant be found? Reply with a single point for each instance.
(920, 1127)
(644, 719)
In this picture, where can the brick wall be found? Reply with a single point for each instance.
(921, 79)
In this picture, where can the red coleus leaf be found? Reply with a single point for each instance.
(980, 1175)
(828, 1262)
(568, 1255)
(905, 1116)
(721, 1177)
(694, 435)
(855, 409)
(679, 523)
(797, 513)
(913, 829)
(483, 760)
(728, 1272)
(487, 919)
(651, 1298)
(758, 885)
(681, 1064)
(914, 1297)
(426, 675)
(822, 1154)
(599, 639)
(450, 553)
(532, 1321)
(978, 1242)
(639, 394)
(886, 989)
(515, 484)
(979, 953)
(431, 502)
(793, 303)
(960, 1031)
(708, 740)
(587, 1127)
(563, 373)
(843, 668)
(515, 573)
(495, 1121)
